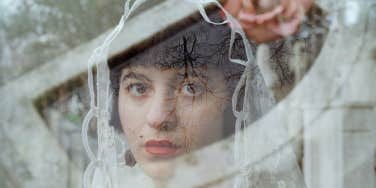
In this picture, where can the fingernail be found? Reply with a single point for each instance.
(246, 16)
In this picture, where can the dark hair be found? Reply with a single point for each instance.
(195, 45)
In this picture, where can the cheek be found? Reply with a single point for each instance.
(131, 118)
(203, 123)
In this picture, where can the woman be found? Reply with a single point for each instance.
(175, 97)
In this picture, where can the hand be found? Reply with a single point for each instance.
(267, 20)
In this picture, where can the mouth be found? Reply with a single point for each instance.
(161, 147)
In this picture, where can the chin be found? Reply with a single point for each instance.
(159, 170)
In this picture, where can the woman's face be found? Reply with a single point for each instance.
(166, 113)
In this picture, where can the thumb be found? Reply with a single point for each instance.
(233, 6)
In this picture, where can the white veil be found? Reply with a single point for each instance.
(259, 159)
(103, 168)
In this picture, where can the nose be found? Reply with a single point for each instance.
(161, 114)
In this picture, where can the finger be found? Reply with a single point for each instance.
(248, 6)
(233, 6)
(246, 17)
(248, 25)
(265, 5)
(291, 7)
(261, 18)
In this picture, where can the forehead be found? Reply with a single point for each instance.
(193, 44)
(190, 49)
(152, 71)
(197, 47)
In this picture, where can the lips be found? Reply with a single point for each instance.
(161, 147)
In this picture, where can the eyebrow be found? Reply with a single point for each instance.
(137, 76)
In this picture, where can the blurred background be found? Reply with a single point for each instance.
(34, 34)
(44, 48)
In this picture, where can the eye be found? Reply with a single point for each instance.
(192, 89)
(137, 89)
